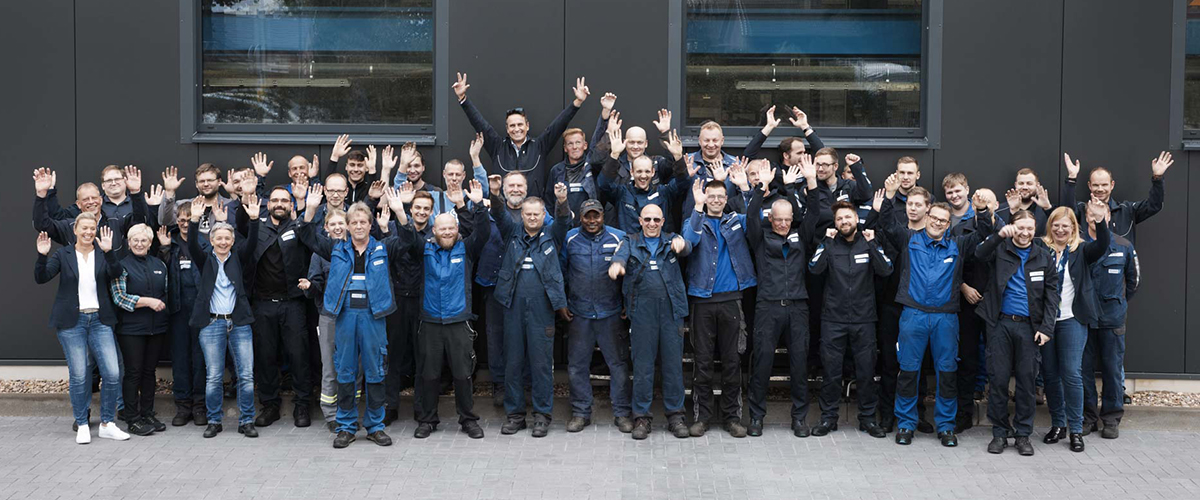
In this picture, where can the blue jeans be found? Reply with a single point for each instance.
(1062, 362)
(1105, 350)
(91, 340)
(583, 335)
(939, 332)
(240, 339)
(360, 337)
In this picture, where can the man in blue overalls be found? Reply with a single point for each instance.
(930, 263)
(359, 293)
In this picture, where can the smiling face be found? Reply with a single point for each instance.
(139, 242)
(592, 221)
(635, 142)
(421, 209)
(515, 190)
(113, 182)
(280, 205)
(711, 142)
(222, 241)
(88, 199)
(298, 170)
(1026, 185)
(956, 195)
(1025, 230)
(517, 127)
(907, 173)
(827, 167)
(416, 169)
(652, 221)
(335, 226)
(781, 217)
(714, 206)
(356, 169)
(574, 146)
(1101, 184)
(445, 230)
(846, 222)
(642, 171)
(207, 184)
(335, 191)
(937, 223)
(533, 215)
(85, 231)
(1062, 230)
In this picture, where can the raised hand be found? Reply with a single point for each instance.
(164, 236)
(581, 91)
(298, 191)
(229, 184)
(868, 234)
(979, 201)
(314, 171)
(1043, 198)
(376, 189)
(830, 232)
(392, 197)
(1096, 210)
(1072, 168)
(43, 243)
(677, 244)
(476, 149)
(663, 123)
(737, 173)
(614, 122)
(340, 147)
(606, 103)
(388, 163)
(133, 179)
(772, 121)
(250, 203)
(104, 238)
(719, 171)
(616, 138)
(698, 193)
(852, 158)
(615, 271)
(790, 176)
(692, 166)
(312, 199)
(891, 184)
(197, 208)
(43, 181)
(172, 180)
(560, 193)
(154, 195)
(261, 166)
(808, 169)
(1008, 231)
(674, 145)
(408, 153)
(460, 87)
(475, 194)
(372, 159)
(406, 193)
(1160, 165)
(1013, 197)
(877, 201)
(799, 119)
(221, 215)
(455, 195)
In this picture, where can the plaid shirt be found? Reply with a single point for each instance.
(121, 297)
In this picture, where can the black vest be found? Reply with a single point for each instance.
(147, 277)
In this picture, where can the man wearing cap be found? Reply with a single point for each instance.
(593, 307)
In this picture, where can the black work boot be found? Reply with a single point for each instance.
(183, 413)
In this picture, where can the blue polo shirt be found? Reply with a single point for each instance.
(1016, 298)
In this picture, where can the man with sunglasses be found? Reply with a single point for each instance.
(656, 303)
(518, 152)
(717, 274)
(930, 263)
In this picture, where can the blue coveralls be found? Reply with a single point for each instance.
(360, 333)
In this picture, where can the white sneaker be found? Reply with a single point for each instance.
(109, 430)
(84, 435)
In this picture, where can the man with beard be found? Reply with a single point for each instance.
(639, 191)
(718, 273)
(656, 303)
(930, 265)
(445, 329)
(208, 186)
(1027, 194)
(529, 289)
(1020, 308)
(593, 310)
(781, 302)
(1126, 215)
(852, 259)
(517, 152)
(280, 261)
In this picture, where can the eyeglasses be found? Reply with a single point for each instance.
(938, 220)
(718, 197)
(337, 191)
(826, 165)
(109, 182)
(652, 220)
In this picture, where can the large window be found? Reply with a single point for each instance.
(847, 63)
(285, 66)
(1191, 71)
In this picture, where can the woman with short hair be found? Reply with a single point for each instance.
(140, 292)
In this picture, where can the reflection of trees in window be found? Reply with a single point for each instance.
(848, 63)
(1191, 69)
(317, 61)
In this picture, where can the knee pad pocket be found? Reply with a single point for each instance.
(948, 384)
(906, 384)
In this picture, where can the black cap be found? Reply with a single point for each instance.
(590, 205)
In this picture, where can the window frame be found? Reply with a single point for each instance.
(191, 89)
(1180, 135)
(927, 136)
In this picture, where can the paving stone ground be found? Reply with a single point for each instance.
(39, 460)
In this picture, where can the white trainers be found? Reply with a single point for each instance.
(109, 430)
(83, 435)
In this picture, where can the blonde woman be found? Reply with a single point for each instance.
(1062, 356)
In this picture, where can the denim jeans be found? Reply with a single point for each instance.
(583, 335)
(1105, 350)
(213, 339)
(1062, 362)
(91, 340)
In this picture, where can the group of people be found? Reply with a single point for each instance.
(384, 274)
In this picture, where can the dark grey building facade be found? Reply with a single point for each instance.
(1002, 85)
